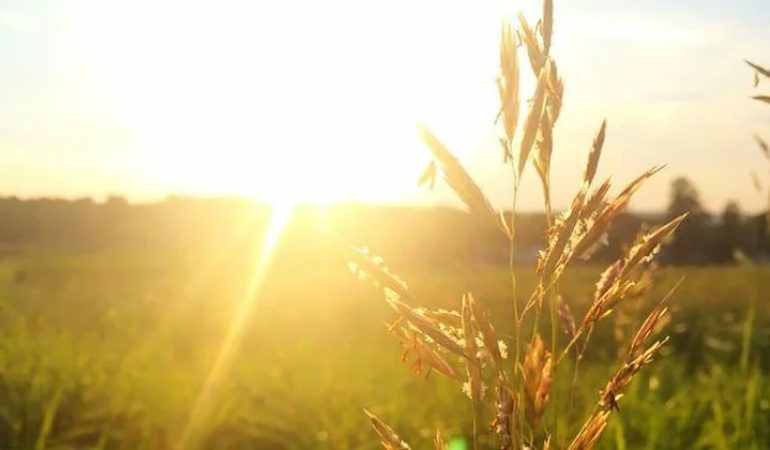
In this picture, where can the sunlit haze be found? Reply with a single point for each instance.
(356, 224)
(317, 101)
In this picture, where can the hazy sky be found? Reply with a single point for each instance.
(318, 100)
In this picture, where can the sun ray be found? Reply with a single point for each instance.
(263, 255)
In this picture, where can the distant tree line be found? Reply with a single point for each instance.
(705, 238)
(403, 235)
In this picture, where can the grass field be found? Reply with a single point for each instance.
(215, 294)
(114, 350)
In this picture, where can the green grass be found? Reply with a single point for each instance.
(112, 351)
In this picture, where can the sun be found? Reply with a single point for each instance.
(224, 101)
(290, 103)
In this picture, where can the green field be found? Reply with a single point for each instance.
(113, 351)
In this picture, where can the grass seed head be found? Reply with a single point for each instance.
(542, 159)
(759, 69)
(508, 87)
(621, 379)
(595, 200)
(648, 326)
(428, 327)
(595, 154)
(459, 180)
(535, 51)
(647, 247)
(566, 318)
(475, 386)
(439, 442)
(555, 92)
(533, 122)
(601, 224)
(428, 177)
(424, 354)
(536, 373)
(388, 438)
(591, 431)
(546, 30)
(503, 425)
(488, 334)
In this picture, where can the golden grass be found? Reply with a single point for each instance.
(518, 406)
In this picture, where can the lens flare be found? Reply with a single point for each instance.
(264, 252)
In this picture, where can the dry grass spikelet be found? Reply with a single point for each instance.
(621, 379)
(505, 409)
(588, 436)
(603, 220)
(566, 318)
(649, 244)
(424, 355)
(649, 324)
(538, 294)
(595, 200)
(475, 388)
(535, 51)
(555, 92)
(427, 327)
(459, 180)
(488, 334)
(631, 308)
(612, 288)
(595, 154)
(508, 88)
(542, 159)
(536, 372)
(546, 30)
(565, 241)
(388, 438)
(557, 253)
(439, 442)
(450, 318)
(533, 122)
(759, 69)
(428, 176)
(607, 279)
(367, 265)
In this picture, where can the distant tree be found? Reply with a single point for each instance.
(83, 201)
(684, 198)
(730, 233)
(116, 201)
(731, 216)
(691, 243)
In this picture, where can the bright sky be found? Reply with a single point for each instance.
(318, 100)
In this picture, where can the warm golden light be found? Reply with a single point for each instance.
(347, 224)
(227, 102)
(245, 308)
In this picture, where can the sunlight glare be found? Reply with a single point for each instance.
(226, 100)
(245, 308)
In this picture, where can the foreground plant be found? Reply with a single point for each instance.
(761, 72)
(514, 393)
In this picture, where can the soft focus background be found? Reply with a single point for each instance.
(114, 316)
